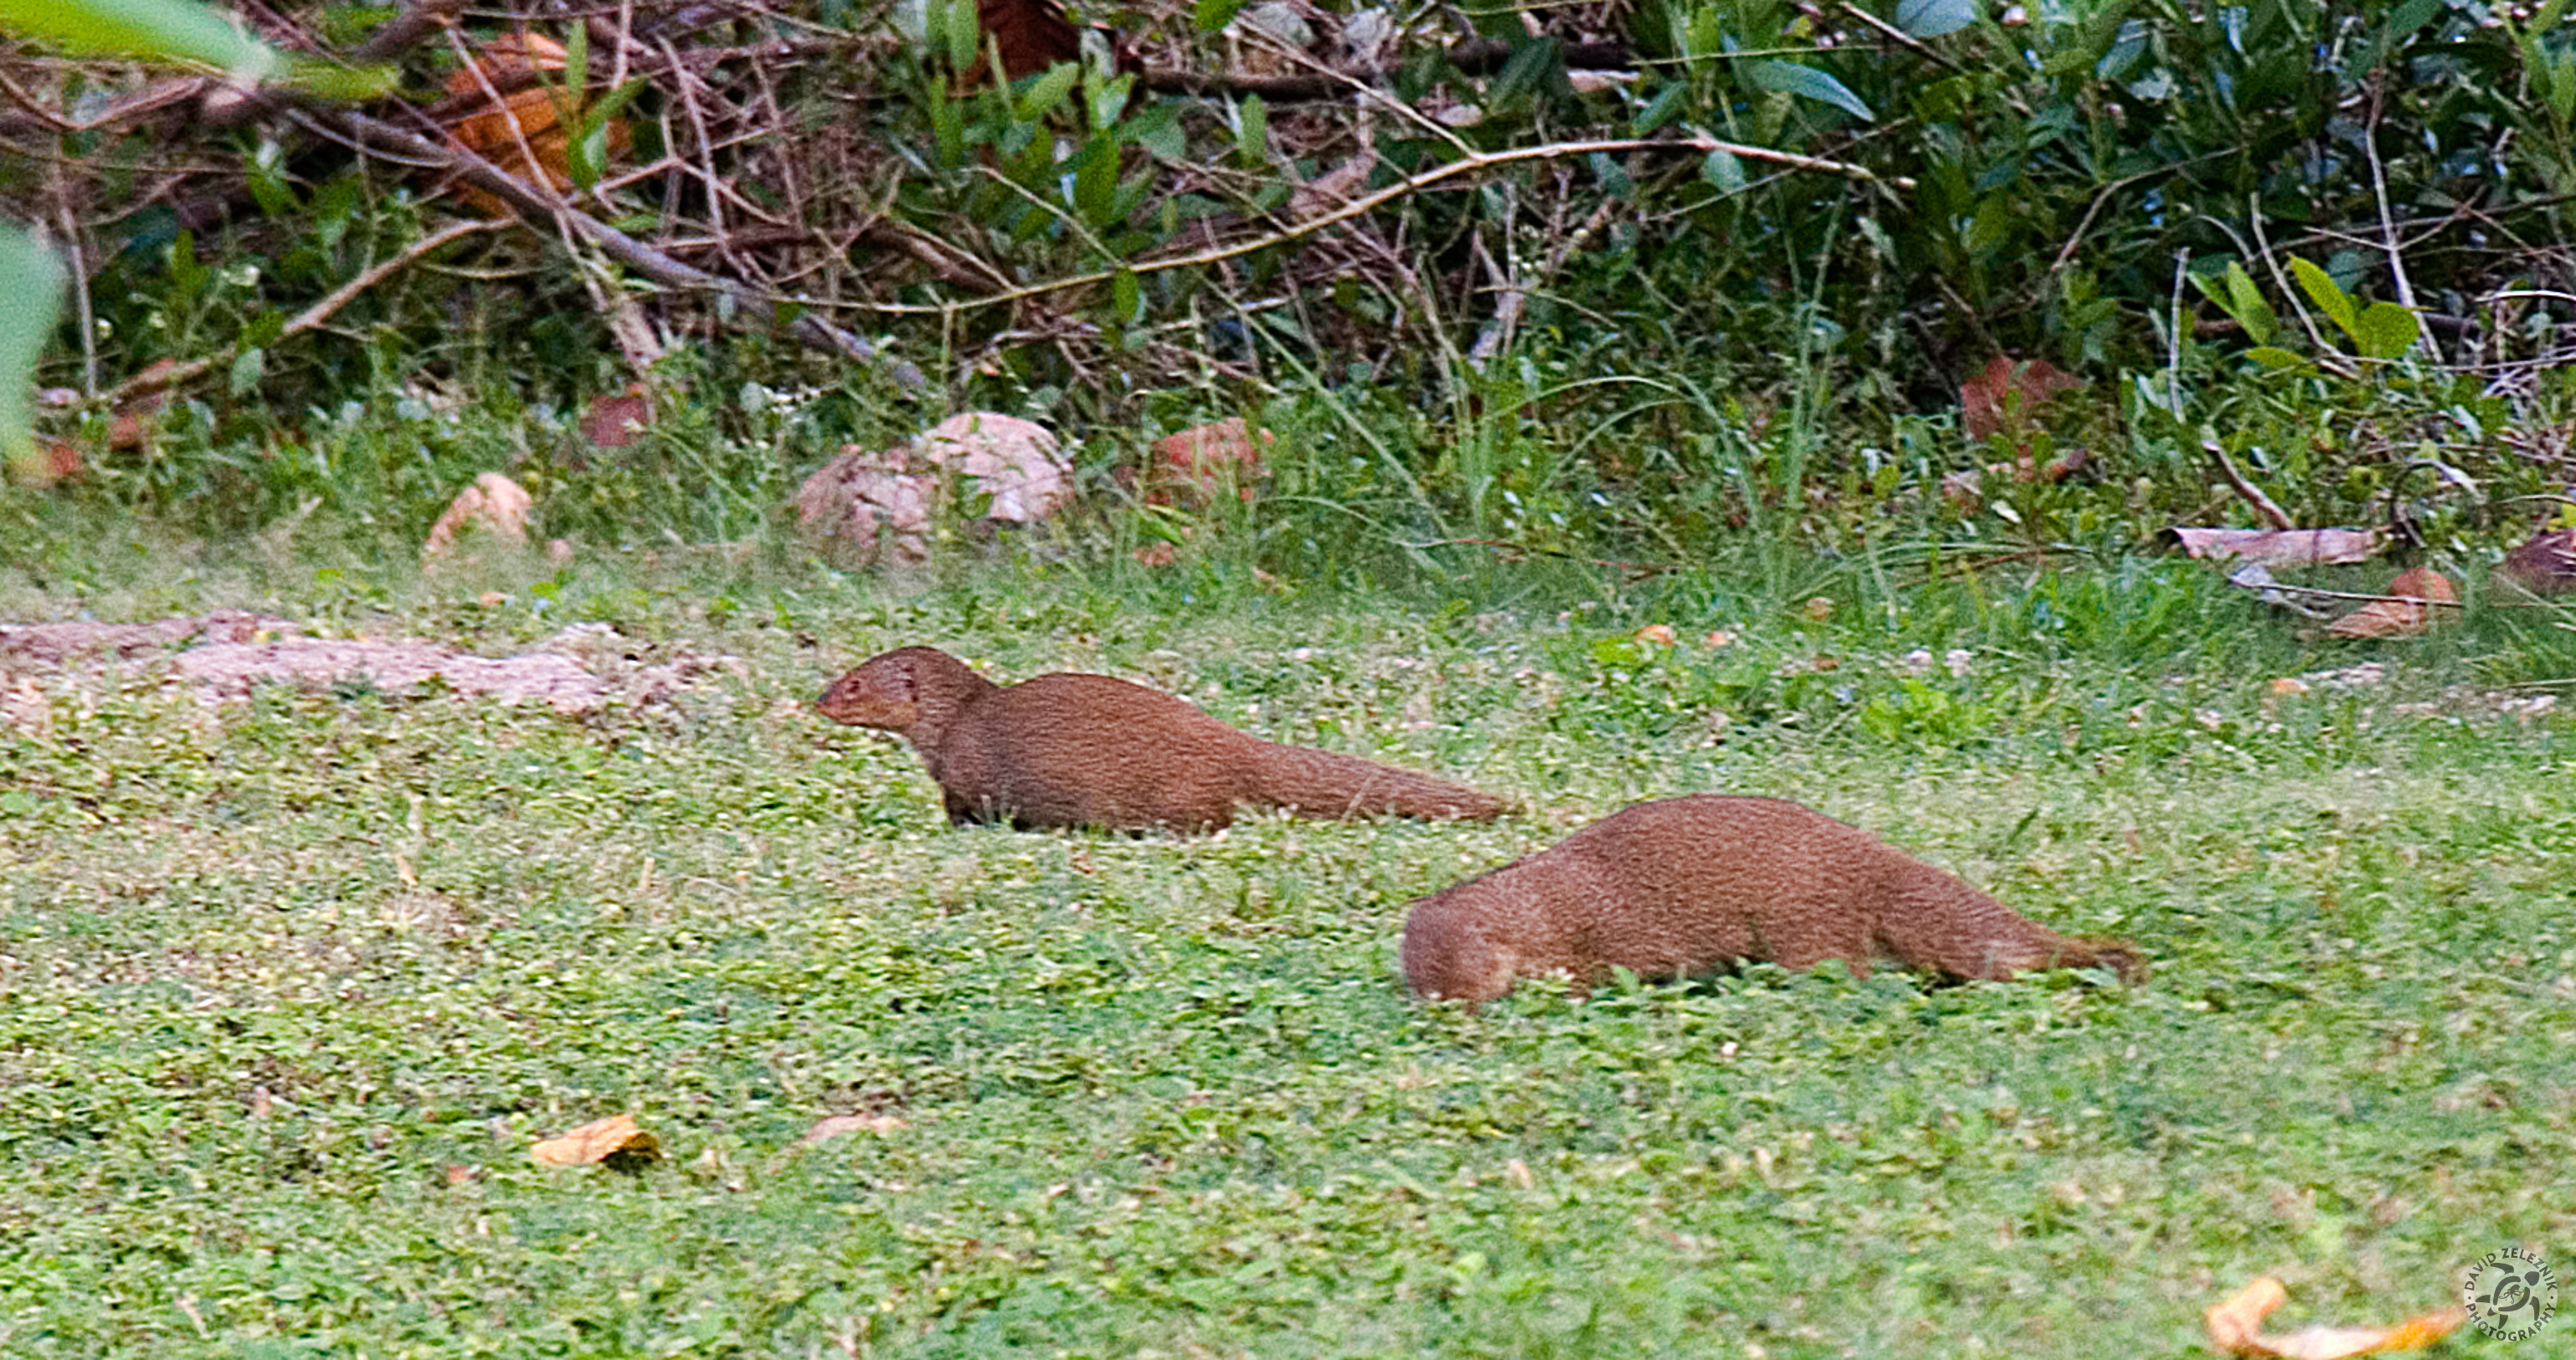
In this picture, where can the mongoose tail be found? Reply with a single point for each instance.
(1328, 784)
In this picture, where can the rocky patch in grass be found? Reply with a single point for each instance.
(226, 654)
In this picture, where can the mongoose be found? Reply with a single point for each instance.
(1690, 885)
(1093, 751)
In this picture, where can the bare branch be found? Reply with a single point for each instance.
(2263, 505)
(153, 380)
(542, 204)
(1403, 188)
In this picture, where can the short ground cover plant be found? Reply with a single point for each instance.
(290, 986)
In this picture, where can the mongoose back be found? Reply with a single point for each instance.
(1689, 885)
(1095, 751)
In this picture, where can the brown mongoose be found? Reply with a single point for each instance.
(1690, 885)
(1094, 751)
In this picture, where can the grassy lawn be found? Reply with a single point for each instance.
(290, 987)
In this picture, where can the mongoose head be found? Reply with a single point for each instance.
(885, 690)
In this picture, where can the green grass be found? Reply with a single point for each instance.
(1164, 1096)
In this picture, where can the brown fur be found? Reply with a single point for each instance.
(1090, 750)
(1689, 885)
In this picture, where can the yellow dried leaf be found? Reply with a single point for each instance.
(1820, 608)
(825, 1130)
(1661, 634)
(2236, 1328)
(598, 1141)
(2409, 613)
(496, 504)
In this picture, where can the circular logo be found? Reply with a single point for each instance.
(2510, 1294)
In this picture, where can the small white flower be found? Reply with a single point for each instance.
(1957, 659)
(1918, 661)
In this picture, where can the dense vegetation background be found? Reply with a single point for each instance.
(1728, 282)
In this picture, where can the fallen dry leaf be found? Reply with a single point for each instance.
(825, 1130)
(2544, 566)
(1192, 465)
(2236, 1328)
(1032, 35)
(2006, 397)
(44, 465)
(494, 504)
(530, 119)
(1658, 633)
(1819, 608)
(598, 1141)
(617, 419)
(2410, 613)
(2279, 547)
(1719, 638)
(1156, 554)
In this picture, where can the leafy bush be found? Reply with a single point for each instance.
(1686, 334)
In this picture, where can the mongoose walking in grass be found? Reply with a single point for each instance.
(1093, 751)
(1689, 885)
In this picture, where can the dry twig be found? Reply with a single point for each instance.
(155, 379)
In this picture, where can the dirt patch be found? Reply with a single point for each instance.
(51, 646)
(581, 669)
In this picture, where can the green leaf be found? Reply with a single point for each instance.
(2384, 331)
(1157, 128)
(1613, 176)
(263, 330)
(247, 368)
(1705, 34)
(343, 84)
(2245, 303)
(163, 29)
(1722, 169)
(2123, 51)
(962, 34)
(2274, 357)
(32, 276)
(576, 72)
(947, 124)
(615, 101)
(1932, 18)
(1535, 65)
(1788, 77)
(1252, 132)
(2321, 290)
(1108, 99)
(1662, 109)
(1211, 15)
(2412, 15)
(1048, 91)
(1126, 300)
(1095, 182)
